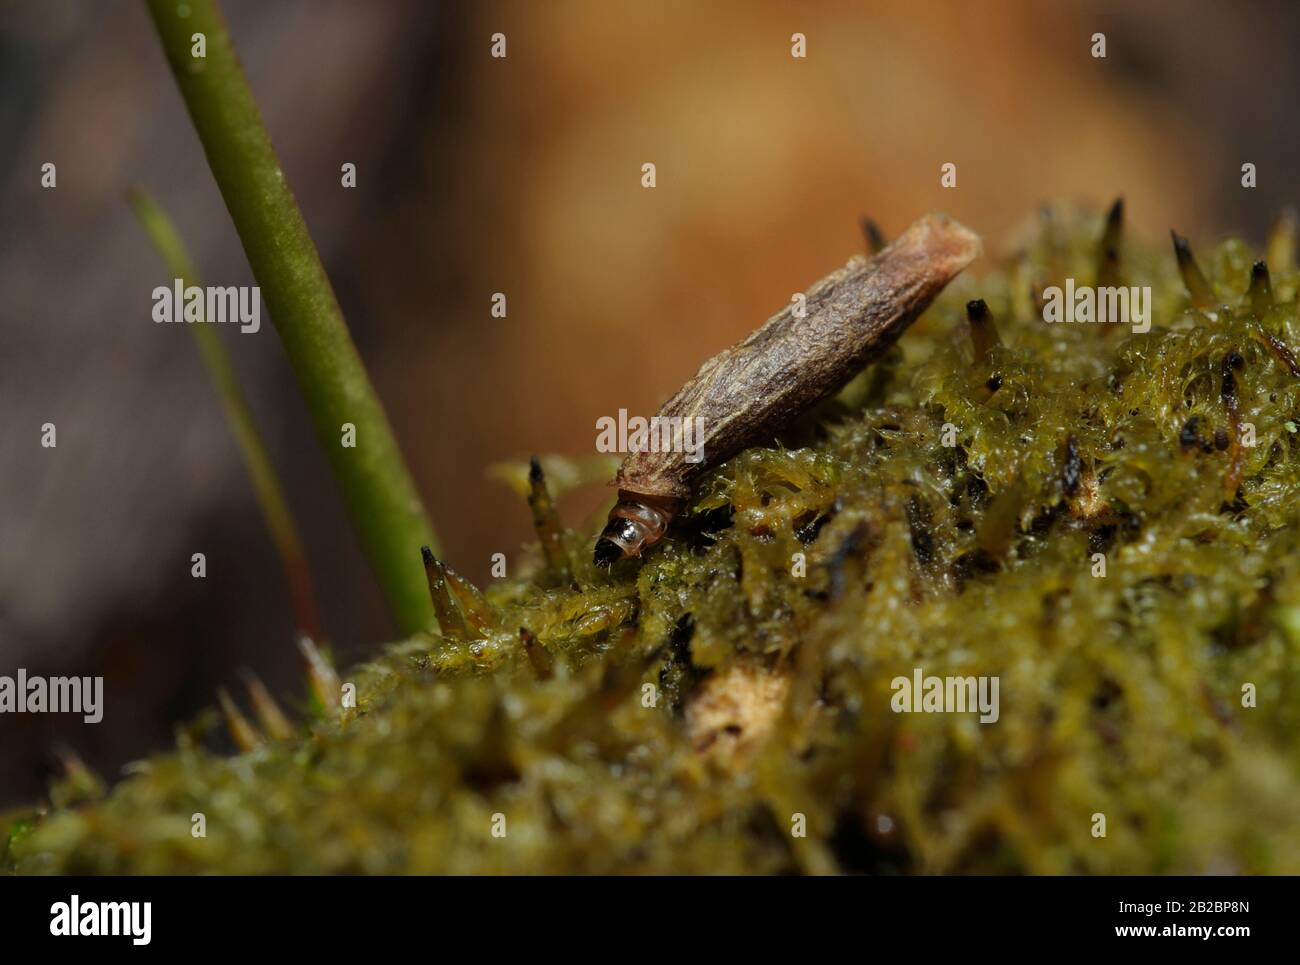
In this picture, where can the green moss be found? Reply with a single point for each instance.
(1120, 694)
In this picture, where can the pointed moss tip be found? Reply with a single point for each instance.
(427, 555)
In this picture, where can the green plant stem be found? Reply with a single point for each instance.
(380, 494)
(261, 472)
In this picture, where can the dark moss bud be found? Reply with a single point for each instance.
(873, 236)
(1260, 292)
(1194, 280)
(547, 525)
(450, 619)
(1108, 265)
(983, 330)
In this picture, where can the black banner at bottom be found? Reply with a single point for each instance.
(369, 916)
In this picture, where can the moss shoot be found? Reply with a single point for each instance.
(1106, 521)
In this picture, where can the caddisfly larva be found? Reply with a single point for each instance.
(801, 355)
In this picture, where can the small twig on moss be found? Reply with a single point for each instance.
(381, 497)
(261, 472)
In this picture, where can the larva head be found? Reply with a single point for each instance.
(635, 524)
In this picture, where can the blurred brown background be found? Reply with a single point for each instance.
(520, 176)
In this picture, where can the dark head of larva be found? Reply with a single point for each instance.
(636, 523)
